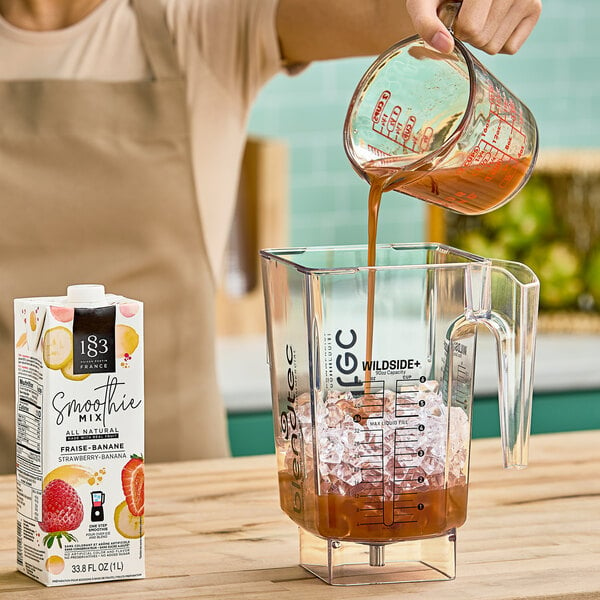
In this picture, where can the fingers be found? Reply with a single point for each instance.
(519, 35)
(423, 14)
(497, 26)
(494, 26)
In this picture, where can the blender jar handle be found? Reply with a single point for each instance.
(514, 297)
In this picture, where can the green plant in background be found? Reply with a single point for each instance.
(526, 219)
(531, 230)
(559, 269)
(592, 276)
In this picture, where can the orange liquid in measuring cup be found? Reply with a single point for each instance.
(471, 190)
(360, 517)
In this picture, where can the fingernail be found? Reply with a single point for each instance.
(442, 41)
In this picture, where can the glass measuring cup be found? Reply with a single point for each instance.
(373, 459)
(440, 127)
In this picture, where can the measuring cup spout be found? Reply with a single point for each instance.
(514, 296)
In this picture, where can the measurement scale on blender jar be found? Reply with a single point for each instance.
(391, 435)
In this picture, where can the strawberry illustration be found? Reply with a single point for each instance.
(132, 479)
(62, 511)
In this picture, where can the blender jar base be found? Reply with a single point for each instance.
(339, 562)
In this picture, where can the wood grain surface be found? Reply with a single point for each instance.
(214, 530)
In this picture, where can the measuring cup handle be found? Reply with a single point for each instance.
(448, 13)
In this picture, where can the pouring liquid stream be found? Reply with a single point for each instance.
(378, 187)
(381, 180)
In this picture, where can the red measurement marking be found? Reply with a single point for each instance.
(410, 123)
(393, 119)
(380, 106)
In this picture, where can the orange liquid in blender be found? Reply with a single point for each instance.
(359, 516)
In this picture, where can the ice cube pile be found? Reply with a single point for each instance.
(410, 439)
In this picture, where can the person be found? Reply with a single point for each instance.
(122, 130)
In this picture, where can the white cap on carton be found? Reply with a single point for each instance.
(88, 293)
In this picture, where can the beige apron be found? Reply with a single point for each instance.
(96, 186)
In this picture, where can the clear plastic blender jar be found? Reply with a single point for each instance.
(373, 454)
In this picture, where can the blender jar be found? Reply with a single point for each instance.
(373, 443)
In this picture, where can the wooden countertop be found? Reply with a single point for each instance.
(214, 530)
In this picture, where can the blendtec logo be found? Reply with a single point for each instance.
(290, 430)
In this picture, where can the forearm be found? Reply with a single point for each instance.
(324, 29)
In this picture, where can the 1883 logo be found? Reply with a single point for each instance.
(94, 340)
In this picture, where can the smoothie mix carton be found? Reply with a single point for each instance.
(80, 434)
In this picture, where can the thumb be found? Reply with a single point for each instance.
(423, 14)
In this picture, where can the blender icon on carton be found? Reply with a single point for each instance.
(80, 426)
(98, 499)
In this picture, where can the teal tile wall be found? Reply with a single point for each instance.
(556, 73)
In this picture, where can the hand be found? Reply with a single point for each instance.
(494, 26)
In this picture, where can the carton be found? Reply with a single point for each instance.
(80, 435)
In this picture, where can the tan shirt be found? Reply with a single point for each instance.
(227, 48)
